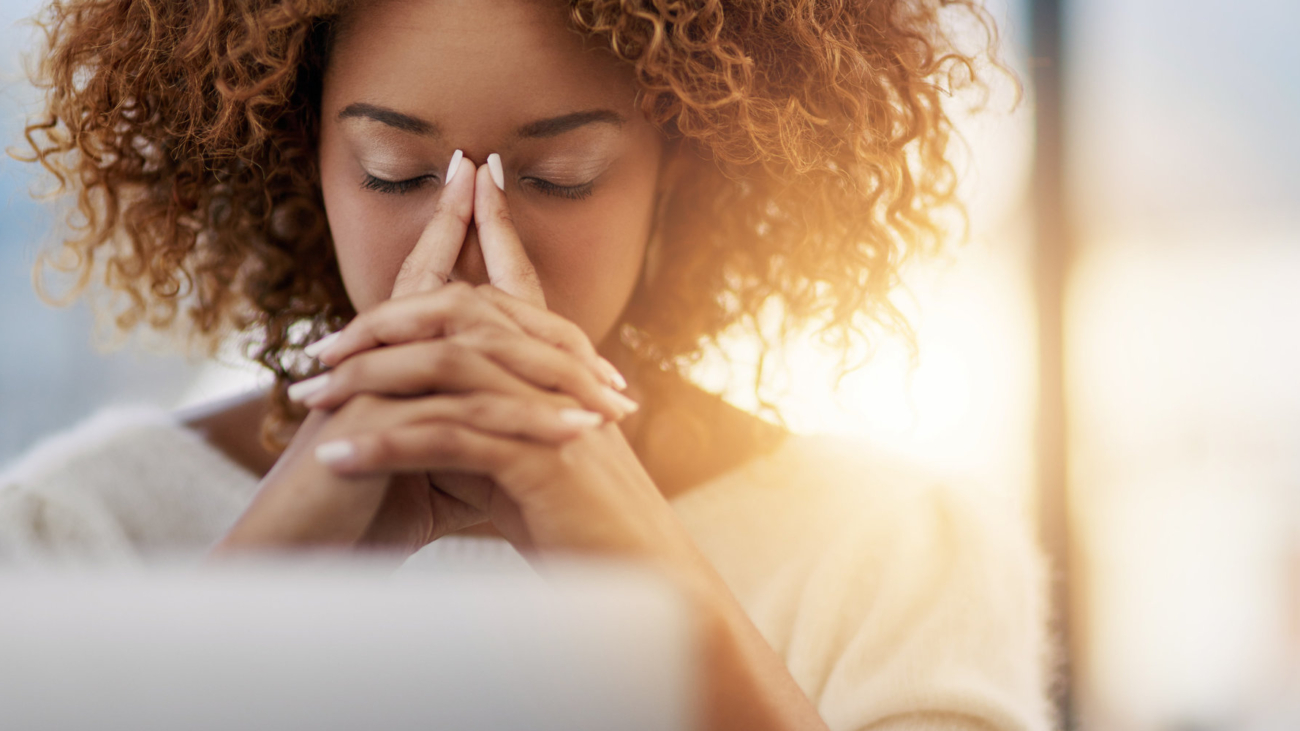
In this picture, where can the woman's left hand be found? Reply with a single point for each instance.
(587, 494)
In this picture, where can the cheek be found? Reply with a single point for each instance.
(589, 257)
(371, 237)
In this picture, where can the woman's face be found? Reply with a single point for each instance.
(411, 81)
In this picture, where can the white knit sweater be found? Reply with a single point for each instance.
(897, 601)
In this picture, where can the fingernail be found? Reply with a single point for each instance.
(616, 378)
(303, 389)
(335, 452)
(619, 401)
(581, 417)
(453, 167)
(320, 346)
(498, 174)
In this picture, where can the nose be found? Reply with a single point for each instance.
(470, 266)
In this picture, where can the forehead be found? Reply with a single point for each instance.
(472, 64)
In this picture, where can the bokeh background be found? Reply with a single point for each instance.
(1115, 346)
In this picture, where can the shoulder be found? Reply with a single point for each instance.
(814, 490)
(127, 480)
(890, 587)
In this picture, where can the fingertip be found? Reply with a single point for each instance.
(462, 173)
(460, 189)
(302, 390)
(622, 404)
(318, 348)
(453, 167)
(319, 401)
(338, 455)
(496, 171)
(581, 418)
(611, 373)
(337, 349)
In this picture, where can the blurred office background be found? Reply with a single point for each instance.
(1115, 347)
(1183, 366)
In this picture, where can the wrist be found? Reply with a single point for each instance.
(746, 684)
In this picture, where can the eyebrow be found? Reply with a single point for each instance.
(390, 117)
(564, 123)
(541, 128)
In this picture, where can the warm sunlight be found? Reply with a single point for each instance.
(968, 405)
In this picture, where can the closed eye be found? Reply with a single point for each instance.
(571, 192)
(396, 187)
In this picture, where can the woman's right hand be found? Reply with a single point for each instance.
(497, 359)
(302, 503)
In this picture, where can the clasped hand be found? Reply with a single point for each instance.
(450, 404)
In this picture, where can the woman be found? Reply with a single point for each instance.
(493, 234)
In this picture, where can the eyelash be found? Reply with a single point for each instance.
(571, 192)
(546, 187)
(396, 187)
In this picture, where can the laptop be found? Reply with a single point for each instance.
(342, 646)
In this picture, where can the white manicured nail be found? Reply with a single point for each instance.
(620, 402)
(495, 170)
(303, 389)
(581, 417)
(612, 373)
(320, 346)
(453, 167)
(335, 452)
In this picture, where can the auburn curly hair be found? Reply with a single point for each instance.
(186, 132)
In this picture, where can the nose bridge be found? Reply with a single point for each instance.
(470, 266)
(476, 153)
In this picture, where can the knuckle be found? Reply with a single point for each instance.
(453, 209)
(527, 274)
(449, 306)
(362, 322)
(573, 335)
(448, 208)
(564, 380)
(538, 412)
(447, 439)
(442, 358)
(407, 270)
(382, 446)
(352, 373)
(430, 319)
(458, 291)
(573, 372)
(502, 216)
(361, 411)
(563, 401)
(484, 337)
(365, 403)
(480, 407)
(458, 295)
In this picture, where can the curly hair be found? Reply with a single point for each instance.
(811, 136)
